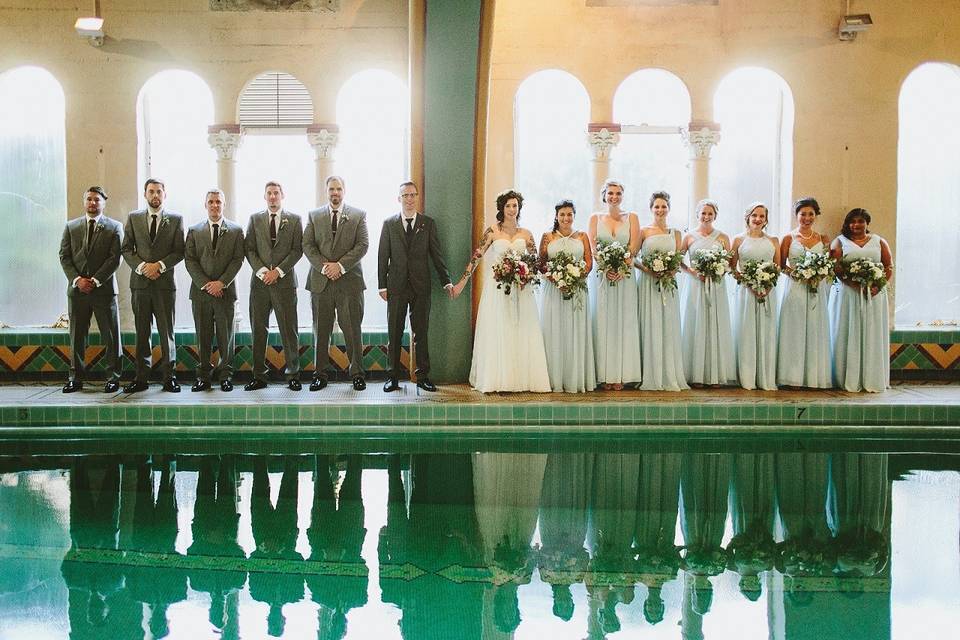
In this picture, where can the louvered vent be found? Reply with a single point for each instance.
(276, 101)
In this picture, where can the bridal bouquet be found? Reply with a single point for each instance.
(569, 274)
(760, 276)
(712, 263)
(866, 273)
(515, 269)
(612, 257)
(813, 268)
(664, 265)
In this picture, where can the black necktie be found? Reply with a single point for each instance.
(153, 227)
(409, 227)
(216, 235)
(273, 227)
(333, 222)
(90, 225)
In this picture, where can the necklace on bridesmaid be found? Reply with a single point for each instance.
(809, 237)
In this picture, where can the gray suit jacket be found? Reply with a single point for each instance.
(348, 247)
(285, 254)
(99, 260)
(205, 265)
(167, 247)
(403, 263)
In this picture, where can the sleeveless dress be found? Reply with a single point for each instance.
(566, 331)
(616, 329)
(660, 325)
(708, 356)
(508, 352)
(755, 325)
(803, 347)
(861, 335)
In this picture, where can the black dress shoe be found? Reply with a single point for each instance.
(171, 386)
(255, 384)
(200, 385)
(72, 386)
(136, 386)
(294, 385)
(392, 384)
(319, 382)
(112, 386)
(226, 385)
(426, 385)
(359, 384)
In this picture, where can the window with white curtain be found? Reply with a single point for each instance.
(754, 159)
(33, 205)
(551, 111)
(373, 157)
(928, 190)
(652, 106)
(174, 110)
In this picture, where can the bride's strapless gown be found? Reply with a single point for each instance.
(508, 352)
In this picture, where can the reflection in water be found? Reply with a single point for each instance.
(465, 538)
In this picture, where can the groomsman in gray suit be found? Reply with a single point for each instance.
(408, 243)
(153, 245)
(335, 241)
(214, 255)
(274, 245)
(90, 255)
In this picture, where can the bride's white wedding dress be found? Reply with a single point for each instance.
(508, 352)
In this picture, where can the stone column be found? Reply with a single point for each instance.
(602, 137)
(700, 137)
(225, 139)
(323, 138)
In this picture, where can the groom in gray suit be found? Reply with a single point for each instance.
(153, 245)
(89, 256)
(335, 240)
(214, 255)
(408, 243)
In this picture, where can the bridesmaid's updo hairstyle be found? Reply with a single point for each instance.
(854, 213)
(607, 185)
(563, 204)
(502, 199)
(707, 202)
(806, 202)
(659, 195)
(755, 205)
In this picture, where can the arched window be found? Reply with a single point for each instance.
(33, 207)
(928, 190)
(551, 112)
(754, 160)
(373, 156)
(174, 110)
(652, 106)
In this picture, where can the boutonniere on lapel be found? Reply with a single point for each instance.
(222, 231)
(164, 221)
(283, 223)
(99, 226)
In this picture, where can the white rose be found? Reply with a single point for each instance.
(658, 265)
(573, 270)
(720, 269)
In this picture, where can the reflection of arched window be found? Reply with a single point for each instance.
(32, 196)
(373, 156)
(173, 112)
(652, 106)
(754, 160)
(928, 218)
(551, 155)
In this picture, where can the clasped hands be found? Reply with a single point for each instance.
(151, 270)
(86, 285)
(214, 288)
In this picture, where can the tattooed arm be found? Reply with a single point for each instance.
(485, 240)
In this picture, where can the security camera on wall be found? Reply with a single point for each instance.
(851, 25)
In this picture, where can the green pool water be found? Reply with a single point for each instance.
(390, 538)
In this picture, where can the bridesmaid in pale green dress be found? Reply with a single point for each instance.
(660, 307)
(615, 321)
(566, 325)
(708, 356)
(859, 319)
(755, 314)
(803, 345)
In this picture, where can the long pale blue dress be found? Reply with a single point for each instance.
(708, 356)
(755, 324)
(859, 326)
(803, 344)
(566, 330)
(616, 329)
(660, 325)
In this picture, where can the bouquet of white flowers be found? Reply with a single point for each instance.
(712, 263)
(516, 269)
(612, 257)
(569, 274)
(760, 276)
(664, 265)
(866, 273)
(813, 268)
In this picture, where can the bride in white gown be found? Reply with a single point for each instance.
(508, 351)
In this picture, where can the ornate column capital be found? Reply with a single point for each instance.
(602, 137)
(701, 137)
(225, 139)
(323, 138)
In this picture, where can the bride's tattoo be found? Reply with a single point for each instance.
(485, 241)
